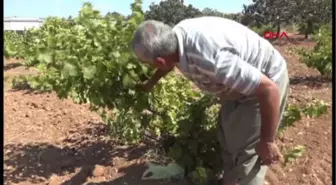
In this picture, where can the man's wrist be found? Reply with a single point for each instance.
(267, 139)
(150, 83)
(267, 134)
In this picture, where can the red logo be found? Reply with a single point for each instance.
(272, 35)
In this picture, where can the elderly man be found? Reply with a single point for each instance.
(227, 60)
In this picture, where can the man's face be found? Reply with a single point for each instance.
(162, 63)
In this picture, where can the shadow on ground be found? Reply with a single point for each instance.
(27, 89)
(311, 81)
(76, 158)
(12, 66)
(37, 162)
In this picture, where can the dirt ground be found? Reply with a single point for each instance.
(49, 141)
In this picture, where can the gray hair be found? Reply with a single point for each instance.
(153, 39)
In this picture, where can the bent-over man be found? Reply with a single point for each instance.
(228, 60)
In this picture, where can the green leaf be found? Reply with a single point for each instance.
(89, 72)
(294, 153)
(127, 81)
(69, 70)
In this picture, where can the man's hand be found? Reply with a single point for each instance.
(269, 152)
(146, 87)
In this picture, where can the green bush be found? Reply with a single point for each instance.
(261, 30)
(88, 58)
(12, 44)
(320, 57)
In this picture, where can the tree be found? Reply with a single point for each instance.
(275, 13)
(272, 12)
(116, 14)
(313, 12)
(171, 12)
(234, 16)
(212, 12)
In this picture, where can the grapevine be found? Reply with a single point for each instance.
(321, 55)
(88, 58)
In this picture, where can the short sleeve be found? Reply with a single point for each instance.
(235, 73)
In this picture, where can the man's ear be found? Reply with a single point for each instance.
(159, 62)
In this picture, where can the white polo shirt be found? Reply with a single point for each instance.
(222, 56)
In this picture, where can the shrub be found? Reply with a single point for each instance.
(320, 57)
(88, 58)
(12, 44)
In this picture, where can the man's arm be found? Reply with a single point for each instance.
(268, 96)
(148, 86)
(244, 78)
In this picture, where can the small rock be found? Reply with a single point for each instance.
(125, 155)
(115, 161)
(14, 109)
(139, 161)
(54, 180)
(9, 167)
(98, 171)
(46, 108)
(34, 105)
